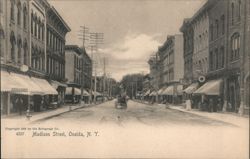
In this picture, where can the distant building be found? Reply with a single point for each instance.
(73, 72)
(171, 60)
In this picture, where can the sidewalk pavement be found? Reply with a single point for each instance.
(37, 116)
(229, 117)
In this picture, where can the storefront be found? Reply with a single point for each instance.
(211, 95)
(72, 95)
(20, 92)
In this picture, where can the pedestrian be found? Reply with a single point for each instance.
(19, 104)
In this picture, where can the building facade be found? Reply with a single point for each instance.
(73, 72)
(200, 24)
(188, 43)
(56, 30)
(237, 84)
(23, 56)
(171, 60)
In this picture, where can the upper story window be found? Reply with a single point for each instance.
(232, 11)
(32, 23)
(19, 13)
(235, 47)
(12, 43)
(222, 18)
(12, 10)
(25, 14)
(217, 28)
(239, 9)
(211, 32)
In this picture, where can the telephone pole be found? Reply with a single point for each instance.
(95, 40)
(83, 36)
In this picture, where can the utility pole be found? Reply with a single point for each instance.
(95, 40)
(104, 75)
(83, 36)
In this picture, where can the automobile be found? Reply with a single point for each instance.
(121, 102)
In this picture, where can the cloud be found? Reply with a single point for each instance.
(130, 55)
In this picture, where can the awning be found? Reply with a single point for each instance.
(153, 93)
(8, 84)
(168, 91)
(97, 94)
(45, 86)
(55, 84)
(191, 88)
(161, 90)
(26, 82)
(85, 93)
(210, 88)
(69, 91)
(147, 93)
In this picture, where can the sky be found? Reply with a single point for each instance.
(133, 29)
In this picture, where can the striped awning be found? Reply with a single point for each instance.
(153, 94)
(212, 87)
(8, 84)
(85, 93)
(168, 91)
(191, 88)
(45, 86)
(147, 93)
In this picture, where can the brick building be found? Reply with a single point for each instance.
(188, 43)
(24, 55)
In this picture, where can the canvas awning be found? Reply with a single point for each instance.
(56, 84)
(85, 93)
(153, 93)
(9, 84)
(168, 91)
(191, 88)
(179, 90)
(30, 86)
(45, 86)
(70, 90)
(160, 91)
(147, 93)
(210, 88)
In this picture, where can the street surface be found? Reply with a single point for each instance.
(140, 131)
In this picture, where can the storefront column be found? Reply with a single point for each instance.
(224, 109)
(8, 103)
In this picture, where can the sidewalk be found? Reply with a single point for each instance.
(36, 116)
(233, 118)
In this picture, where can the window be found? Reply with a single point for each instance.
(235, 47)
(216, 59)
(32, 23)
(25, 17)
(25, 53)
(211, 32)
(12, 10)
(232, 10)
(1, 40)
(19, 13)
(211, 63)
(222, 57)
(19, 51)
(35, 27)
(217, 28)
(12, 50)
(239, 9)
(222, 24)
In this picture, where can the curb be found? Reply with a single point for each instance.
(58, 114)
